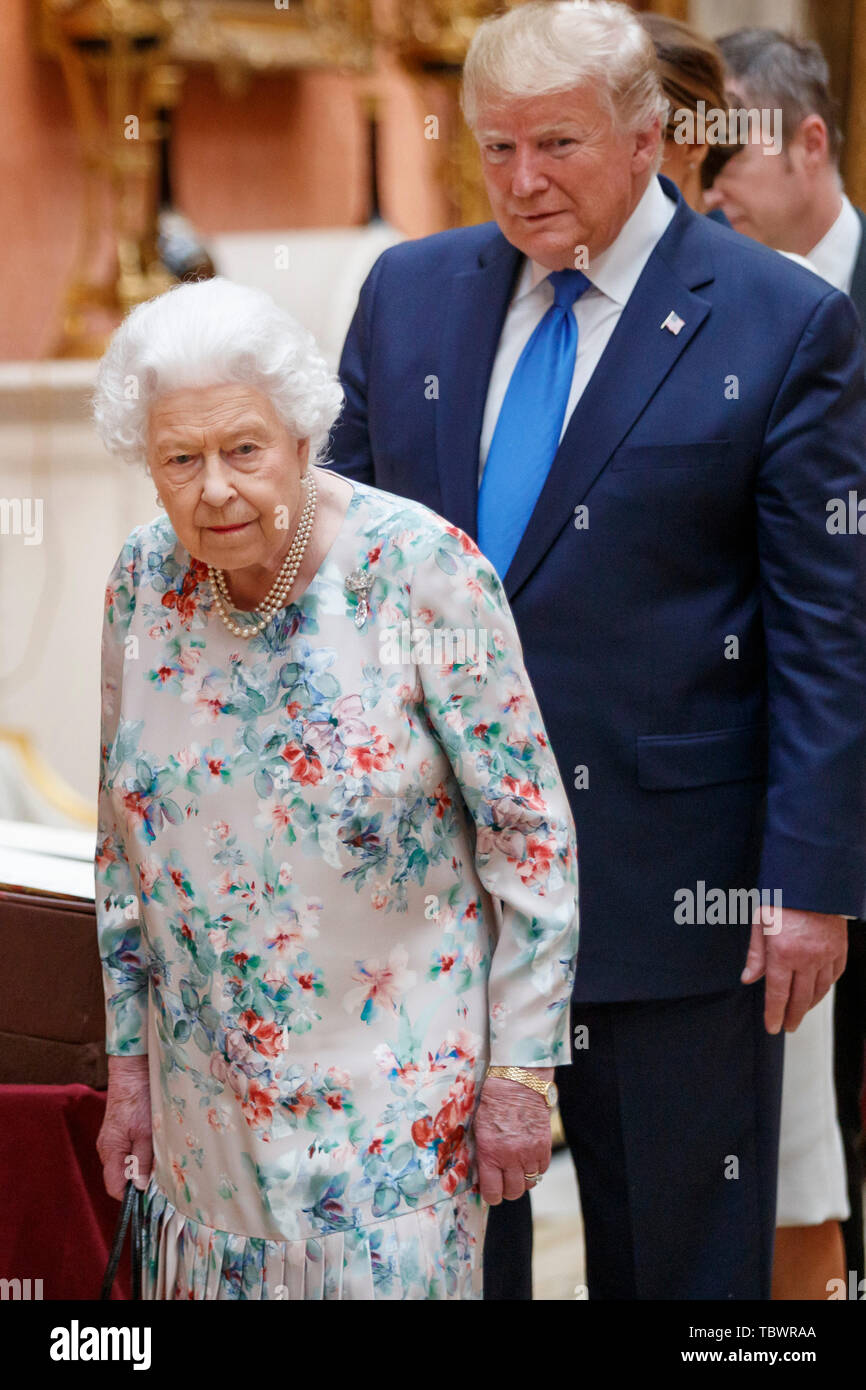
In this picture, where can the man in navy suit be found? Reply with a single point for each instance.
(692, 624)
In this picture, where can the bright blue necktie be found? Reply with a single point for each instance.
(527, 431)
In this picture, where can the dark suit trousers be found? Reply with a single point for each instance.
(850, 1040)
(671, 1111)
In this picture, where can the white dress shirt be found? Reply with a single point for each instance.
(614, 274)
(836, 253)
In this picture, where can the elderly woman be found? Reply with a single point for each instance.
(336, 866)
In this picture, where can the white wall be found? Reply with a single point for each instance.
(51, 593)
(716, 17)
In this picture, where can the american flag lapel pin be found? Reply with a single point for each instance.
(673, 323)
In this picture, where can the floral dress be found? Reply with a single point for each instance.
(335, 878)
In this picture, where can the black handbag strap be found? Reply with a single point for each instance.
(130, 1208)
(136, 1243)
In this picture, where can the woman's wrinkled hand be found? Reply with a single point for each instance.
(512, 1137)
(125, 1141)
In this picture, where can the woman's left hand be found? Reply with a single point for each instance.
(512, 1137)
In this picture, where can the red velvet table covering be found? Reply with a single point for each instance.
(57, 1220)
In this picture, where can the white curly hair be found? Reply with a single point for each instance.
(204, 333)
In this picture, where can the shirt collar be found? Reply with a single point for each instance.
(834, 256)
(616, 270)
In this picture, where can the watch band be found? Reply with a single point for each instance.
(526, 1078)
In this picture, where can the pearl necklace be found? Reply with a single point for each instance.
(275, 599)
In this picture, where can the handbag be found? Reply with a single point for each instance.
(130, 1208)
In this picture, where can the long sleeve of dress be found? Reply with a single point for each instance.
(483, 709)
(118, 908)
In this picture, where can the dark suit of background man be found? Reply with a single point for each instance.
(798, 203)
(696, 640)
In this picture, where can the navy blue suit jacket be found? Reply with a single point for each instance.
(705, 460)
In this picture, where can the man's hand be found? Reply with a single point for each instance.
(512, 1136)
(802, 954)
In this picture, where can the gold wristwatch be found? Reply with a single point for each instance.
(528, 1078)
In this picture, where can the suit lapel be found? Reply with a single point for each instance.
(638, 357)
(473, 318)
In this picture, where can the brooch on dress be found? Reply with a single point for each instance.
(360, 583)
